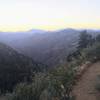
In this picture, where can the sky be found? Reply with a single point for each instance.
(22, 15)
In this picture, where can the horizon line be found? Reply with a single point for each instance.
(50, 29)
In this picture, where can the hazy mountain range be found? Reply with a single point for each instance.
(48, 47)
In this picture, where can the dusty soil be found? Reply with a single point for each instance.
(3, 98)
(85, 87)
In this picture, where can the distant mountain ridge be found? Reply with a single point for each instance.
(48, 47)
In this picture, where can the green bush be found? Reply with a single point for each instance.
(92, 53)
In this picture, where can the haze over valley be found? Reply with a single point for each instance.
(47, 47)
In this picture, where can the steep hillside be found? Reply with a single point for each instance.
(15, 68)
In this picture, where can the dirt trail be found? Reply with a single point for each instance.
(85, 87)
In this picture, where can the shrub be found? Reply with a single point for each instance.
(92, 53)
(97, 85)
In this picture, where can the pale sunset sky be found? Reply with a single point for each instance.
(22, 15)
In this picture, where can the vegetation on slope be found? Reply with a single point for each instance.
(57, 83)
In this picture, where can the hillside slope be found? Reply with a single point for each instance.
(15, 67)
